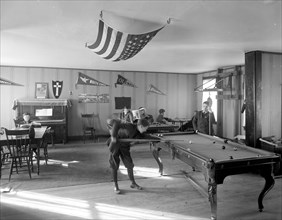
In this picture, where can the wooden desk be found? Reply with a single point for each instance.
(37, 141)
(59, 126)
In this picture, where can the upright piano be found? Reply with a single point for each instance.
(49, 112)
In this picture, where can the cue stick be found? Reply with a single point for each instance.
(125, 140)
(209, 123)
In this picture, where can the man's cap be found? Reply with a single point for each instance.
(161, 110)
(143, 122)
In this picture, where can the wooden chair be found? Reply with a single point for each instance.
(99, 131)
(18, 122)
(5, 153)
(20, 151)
(88, 128)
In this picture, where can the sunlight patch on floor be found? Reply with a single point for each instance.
(61, 162)
(48, 203)
(106, 211)
(81, 208)
(144, 172)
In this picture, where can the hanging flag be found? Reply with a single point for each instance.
(115, 45)
(8, 82)
(154, 89)
(86, 80)
(123, 81)
(57, 87)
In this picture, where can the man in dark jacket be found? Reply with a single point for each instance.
(203, 120)
(121, 150)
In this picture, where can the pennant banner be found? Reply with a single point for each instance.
(90, 98)
(154, 89)
(123, 81)
(115, 45)
(86, 80)
(8, 82)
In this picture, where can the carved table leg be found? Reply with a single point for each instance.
(212, 190)
(269, 183)
(156, 151)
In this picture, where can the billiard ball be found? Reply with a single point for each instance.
(225, 141)
(190, 142)
(223, 147)
(235, 148)
(213, 142)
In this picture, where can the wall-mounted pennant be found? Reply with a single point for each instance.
(123, 81)
(91, 98)
(8, 82)
(87, 80)
(57, 87)
(154, 89)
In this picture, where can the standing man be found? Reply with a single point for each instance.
(121, 150)
(203, 120)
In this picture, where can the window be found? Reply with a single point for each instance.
(210, 95)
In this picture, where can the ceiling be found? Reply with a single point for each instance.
(201, 36)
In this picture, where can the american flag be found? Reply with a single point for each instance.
(115, 45)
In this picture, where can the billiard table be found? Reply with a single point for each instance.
(217, 158)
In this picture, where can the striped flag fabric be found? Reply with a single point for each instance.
(114, 45)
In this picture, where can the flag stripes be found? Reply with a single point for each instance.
(115, 45)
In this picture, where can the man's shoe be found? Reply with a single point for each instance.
(117, 190)
(135, 186)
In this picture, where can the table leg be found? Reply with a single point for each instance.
(212, 190)
(156, 153)
(269, 183)
(38, 157)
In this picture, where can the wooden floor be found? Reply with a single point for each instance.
(172, 196)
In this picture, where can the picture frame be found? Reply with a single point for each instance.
(41, 90)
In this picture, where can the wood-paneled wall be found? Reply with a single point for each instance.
(264, 95)
(271, 95)
(180, 99)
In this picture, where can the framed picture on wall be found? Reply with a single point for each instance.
(41, 90)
